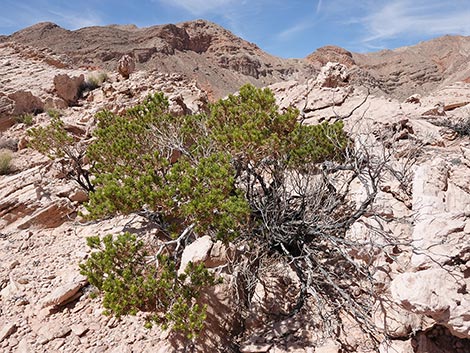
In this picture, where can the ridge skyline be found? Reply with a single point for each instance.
(287, 30)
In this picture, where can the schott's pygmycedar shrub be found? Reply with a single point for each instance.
(227, 173)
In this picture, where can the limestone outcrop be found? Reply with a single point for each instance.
(126, 66)
(68, 88)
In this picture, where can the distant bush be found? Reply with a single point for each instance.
(94, 81)
(27, 119)
(5, 161)
(460, 126)
(54, 113)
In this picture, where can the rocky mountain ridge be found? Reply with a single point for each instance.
(221, 62)
(201, 50)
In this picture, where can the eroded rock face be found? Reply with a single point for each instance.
(126, 66)
(68, 88)
(437, 294)
(332, 75)
(331, 53)
(16, 104)
(26, 102)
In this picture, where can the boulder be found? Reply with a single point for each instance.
(68, 88)
(7, 105)
(332, 75)
(63, 294)
(8, 144)
(434, 293)
(198, 251)
(7, 330)
(414, 99)
(26, 103)
(50, 216)
(126, 66)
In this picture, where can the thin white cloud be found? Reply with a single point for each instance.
(409, 18)
(68, 17)
(74, 20)
(295, 29)
(319, 7)
(200, 7)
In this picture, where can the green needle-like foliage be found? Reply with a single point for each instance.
(121, 268)
(52, 140)
(217, 174)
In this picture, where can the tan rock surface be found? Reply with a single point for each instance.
(42, 241)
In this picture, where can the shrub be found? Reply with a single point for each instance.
(5, 161)
(120, 269)
(27, 119)
(94, 81)
(54, 113)
(225, 174)
(460, 126)
(55, 142)
(243, 172)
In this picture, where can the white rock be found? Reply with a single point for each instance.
(196, 252)
(63, 294)
(435, 293)
(396, 346)
(329, 346)
(7, 330)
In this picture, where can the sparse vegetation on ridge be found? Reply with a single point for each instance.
(460, 126)
(94, 81)
(27, 119)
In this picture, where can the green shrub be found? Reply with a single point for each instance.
(27, 119)
(227, 174)
(54, 113)
(120, 269)
(5, 161)
(55, 142)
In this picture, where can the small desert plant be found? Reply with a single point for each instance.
(5, 161)
(54, 113)
(26, 119)
(94, 81)
(460, 126)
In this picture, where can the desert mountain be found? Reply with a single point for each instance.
(221, 62)
(405, 71)
(217, 59)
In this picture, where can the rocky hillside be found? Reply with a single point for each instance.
(221, 62)
(201, 50)
(415, 235)
(405, 71)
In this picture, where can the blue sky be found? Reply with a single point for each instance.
(286, 28)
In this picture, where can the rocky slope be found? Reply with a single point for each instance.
(218, 60)
(422, 282)
(405, 71)
(221, 62)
